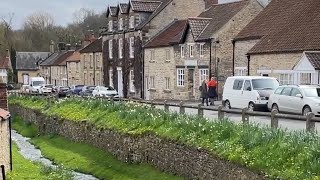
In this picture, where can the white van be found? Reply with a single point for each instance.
(248, 91)
(35, 83)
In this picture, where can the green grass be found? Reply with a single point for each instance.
(25, 169)
(87, 159)
(277, 153)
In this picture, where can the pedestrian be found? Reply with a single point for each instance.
(212, 92)
(204, 92)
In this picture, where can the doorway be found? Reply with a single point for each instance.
(147, 88)
(191, 88)
(25, 79)
(120, 81)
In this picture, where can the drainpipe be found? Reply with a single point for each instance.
(142, 77)
(248, 57)
(10, 143)
(94, 68)
(233, 55)
(210, 60)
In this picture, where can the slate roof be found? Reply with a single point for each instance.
(123, 7)
(57, 58)
(4, 62)
(112, 10)
(314, 58)
(197, 25)
(95, 46)
(285, 26)
(29, 60)
(145, 6)
(165, 37)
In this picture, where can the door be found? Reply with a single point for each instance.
(236, 94)
(247, 94)
(25, 79)
(284, 100)
(147, 88)
(295, 103)
(120, 82)
(191, 88)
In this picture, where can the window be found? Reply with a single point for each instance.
(201, 50)
(91, 61)
(237, 85)
(286, 91)
(204, 74)
(247, 85)
(131, 23)
(97, 79)
(167, 83)
(240, 71)
(264, 84)
(120, 48)
(110, 49)
(152, 82)
(131, 83)
(285, 79)
(167, 55)
(305, 78)
(279, 90)
(77, 66)
(295, 92)
(180, 77)
(110, 25)
(121, 24)
(182, 51)
(110, 77)
(152, 55)
(191, 48)
(131, 48)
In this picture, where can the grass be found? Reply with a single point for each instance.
(25, 169)
(277, 153)
(87, 159)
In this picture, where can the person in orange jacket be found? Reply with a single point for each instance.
(212, 93)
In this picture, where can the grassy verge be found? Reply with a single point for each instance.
(288, 155)
(25, 169)
(87, 159)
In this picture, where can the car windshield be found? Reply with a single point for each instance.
(265, 84)
(312, 92)
(37, 83)
(79, 87)
(108, 88)
(49, 86)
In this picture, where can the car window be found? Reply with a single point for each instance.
(312, 92)
(286, 91)
(237, 85)
(279, 90)
(247, 85)
(264, 84)
(295, 91)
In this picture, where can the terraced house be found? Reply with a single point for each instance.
(186, 52)
(283, 41)
(130, 25)
(74, 69)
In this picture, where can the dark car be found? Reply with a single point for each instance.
(10, 87)
(75, 90)
(87, 91)
(63, 91)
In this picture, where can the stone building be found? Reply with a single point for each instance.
(4, 68)
(278, 42)
(74, 69)
(91, 64)
(129, 26)
(204, 39)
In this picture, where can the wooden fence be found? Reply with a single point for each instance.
(310, 120)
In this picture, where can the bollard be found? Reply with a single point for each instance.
(182, 108)
(310, 125)
(3, 172)
(220, 113)
(274, 119)
(245, 117)
(112, 100)
(166, 106)
(200, 110)
(152, 104)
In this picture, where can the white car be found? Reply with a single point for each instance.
(47, 88)
(105, 91)
(296, 99)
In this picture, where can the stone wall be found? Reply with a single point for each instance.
(165, 154)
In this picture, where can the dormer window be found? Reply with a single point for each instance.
(110, 25)
(121, 24)
(131, 23)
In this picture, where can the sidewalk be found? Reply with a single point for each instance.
(189, 102)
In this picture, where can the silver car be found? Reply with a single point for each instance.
(296, 99)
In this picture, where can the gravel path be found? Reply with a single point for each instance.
(28, 151)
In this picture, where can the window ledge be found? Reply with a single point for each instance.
(167, 91)
(152, 90)
(167, 61)
(132, 92)
(152, 61)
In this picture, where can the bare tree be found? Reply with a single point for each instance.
(81, 15)
(40, 21)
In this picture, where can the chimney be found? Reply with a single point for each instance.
(209, 3)
(92, 37)
(68, 47)
(61, 46)
(3, 95)
(51, 46)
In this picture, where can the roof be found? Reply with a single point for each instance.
(197, 25)
(95, 46)
(4, 114)
(314, 59)
(144, 6)
(4, 62)
(124, 7)
(220, 14)
(57, 58)
(75, 57)
(165, 37)
(285, 26)
(112, 10)
(29, 60)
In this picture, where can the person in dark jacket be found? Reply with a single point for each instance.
(212, 93)
(204, 92)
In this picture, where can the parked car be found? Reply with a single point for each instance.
(35, 83)
(105, 91)
(75, 90)
(10, 87)
(296, 99)
(47, 88)
(87, 90)
(63, 91)
(248, 91)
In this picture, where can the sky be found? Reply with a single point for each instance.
(61, 10)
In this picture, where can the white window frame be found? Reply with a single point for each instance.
(152, 55)
(180, 77)
(201, 50)
(120, 48)
(97, 62)
(182, 51)
(191, 50)
(131, 22)
(131, 81)
(167, 81)
(286, 80)
(203, 74)
(110, 25)
(91, 60)
(111, 77)
(110, 49)
(152, 82)
(168, 55)
(131, 48)
(240, 71)
(121, 24)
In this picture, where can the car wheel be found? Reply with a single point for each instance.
(251, 106)
(275, 107)
(306, 110)
(227, 104)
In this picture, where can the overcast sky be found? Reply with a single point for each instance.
(61, 10)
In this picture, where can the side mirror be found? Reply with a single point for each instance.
(299, 95)
(249, 89)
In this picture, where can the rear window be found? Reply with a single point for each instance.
(264, 84)
(312, 92)
(237, 85)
